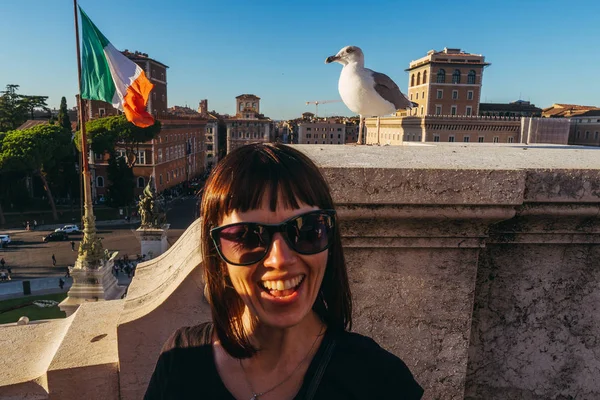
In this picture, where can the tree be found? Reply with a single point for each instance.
(105, 134)
(120, 190)
(63, 116)
(12, 110)
(35, 150)
(30, 103)
(16, 108)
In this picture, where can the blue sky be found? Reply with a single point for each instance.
(544, 51)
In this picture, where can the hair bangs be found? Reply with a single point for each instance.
(269, 171)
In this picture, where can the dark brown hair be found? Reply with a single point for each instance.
(238, 183)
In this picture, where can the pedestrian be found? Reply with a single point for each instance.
(67, 272)
(61, 283)
(53, 260)
(72, 245)
(2, 262)
(28, 227)
(34, 224)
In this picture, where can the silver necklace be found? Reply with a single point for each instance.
(256, 396)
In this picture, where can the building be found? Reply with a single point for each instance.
(446, 82)
(481, 129)
(585, 129)
(248, 125)
(155, 71)
(175, 156)
(519, 108)
(327, 131)
(559, 110)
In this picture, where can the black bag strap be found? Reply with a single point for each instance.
(323, 362)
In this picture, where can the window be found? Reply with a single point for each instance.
(163, 97)
(418, 78)
(140, 182)
(160, 155)
(308, 129)
(422, 110)
(162, 76)
(411, 96)
(438, 110)
(451, 138)
(466, 139)
(440, 93)
(101, 112)
(423, 95)
(587, 135)
(441, 76)
(480, 139)
(160, 179)
(253, 105)
(471, 77)
(454, 94)
(470, 95)
(99, 181)
(496, 139)
(417, 96)
(456, 76)
(453, 110)
(511, 139)
(469, 111)
(412, 80)
(241, 109)
(578, 134)
(424, 77)
(596, 135)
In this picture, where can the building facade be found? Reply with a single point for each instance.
(446, 82)
(519, 108)
(328, 131)
(248, 125)
(175, 156)
(479, 129)
(585, 129)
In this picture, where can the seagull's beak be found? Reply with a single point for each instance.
(331, 59)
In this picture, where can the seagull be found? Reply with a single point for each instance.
(366, 92)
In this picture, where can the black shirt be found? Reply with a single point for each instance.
(358, 369)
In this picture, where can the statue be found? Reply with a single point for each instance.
(150, 212)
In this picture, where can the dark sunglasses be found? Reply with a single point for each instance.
(247, 243)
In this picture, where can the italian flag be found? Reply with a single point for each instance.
(109, 76)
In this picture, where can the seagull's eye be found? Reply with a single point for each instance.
(350, 50)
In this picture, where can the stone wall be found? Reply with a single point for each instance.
(478, 265)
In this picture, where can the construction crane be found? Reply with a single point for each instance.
(317, 102)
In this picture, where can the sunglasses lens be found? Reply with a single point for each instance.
(310, 234)
(243, 244)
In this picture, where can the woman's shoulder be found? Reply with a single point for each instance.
(365, 362)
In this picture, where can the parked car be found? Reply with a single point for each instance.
(4, 240)
(55, 236)
(68, 229)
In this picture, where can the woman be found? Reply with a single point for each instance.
(278, 290)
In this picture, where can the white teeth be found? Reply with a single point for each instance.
(282, 285)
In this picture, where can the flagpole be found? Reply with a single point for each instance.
(90, 253)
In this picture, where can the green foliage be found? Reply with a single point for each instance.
(63, 116)
(16, 108)
(34, 149)
(120, 190)
(104, 134)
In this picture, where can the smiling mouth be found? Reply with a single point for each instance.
(282, 288)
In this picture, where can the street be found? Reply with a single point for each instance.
(29, 257)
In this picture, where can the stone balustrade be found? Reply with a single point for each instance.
(479, 265)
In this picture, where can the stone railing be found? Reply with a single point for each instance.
(477, 265)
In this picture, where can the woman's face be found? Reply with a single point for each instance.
(260, 285)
